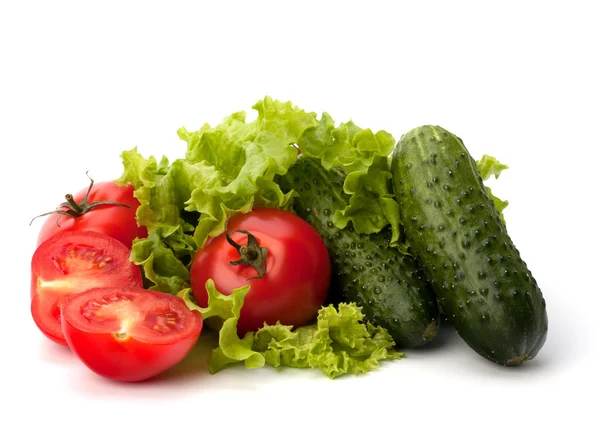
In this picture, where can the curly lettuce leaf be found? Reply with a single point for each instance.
(340, 342)
(363, 156)
(162, 190)
(227, 169)
(347, 146)
(222, 313)
(244, 159)
(489, 166)
(372, 205)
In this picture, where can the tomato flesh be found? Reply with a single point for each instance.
(71, 262)
(129, 334)
(297, 276)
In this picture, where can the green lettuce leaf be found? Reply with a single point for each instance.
(227, 169)
(347, 146)
(232, 168)
(372, 205)
(340, 342)
(162, 190)
(489, 166)
(363, 155)
(222, 313)
(241, 160)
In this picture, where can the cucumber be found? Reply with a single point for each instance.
(482, 284)
(388, 285)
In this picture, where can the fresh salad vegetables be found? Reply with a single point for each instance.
(229, 236)
(231, 168)
(366, 269)
(339, 342)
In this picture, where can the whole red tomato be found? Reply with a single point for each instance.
(102, 207)
(281, 257)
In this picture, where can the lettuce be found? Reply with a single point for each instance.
(489, 166)
(240, 161)
(340, 342)
(363, 156)
(222, 313)
(227, 169)
(233, 167)
(372, 205)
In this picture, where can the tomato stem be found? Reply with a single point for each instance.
(75, 209)
(251, 254)
(73, 204)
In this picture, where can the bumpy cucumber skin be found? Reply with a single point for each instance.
(483, 286)
(390, 286)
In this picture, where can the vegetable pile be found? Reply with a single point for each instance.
(300, 243)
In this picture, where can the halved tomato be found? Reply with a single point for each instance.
(129, 334)
(71, 262)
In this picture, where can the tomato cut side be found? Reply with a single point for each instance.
(129, 334)
(71, 262)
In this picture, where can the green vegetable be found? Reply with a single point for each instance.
(489, 166)
(388, 284)
(237, 165)
(232, 167)
(363, 156)
(227, 169)
(340, 342)
(456, 232)
(223, 312)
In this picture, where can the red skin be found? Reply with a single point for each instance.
(297, 276)
(144, 352)
(64, 264)
(116, 221)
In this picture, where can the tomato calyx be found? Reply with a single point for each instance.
(75, 209)
(251, 254)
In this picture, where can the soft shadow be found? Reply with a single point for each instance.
(540, 365)
(194, 365)
(190, 376)
(446, 335)
(55, 353)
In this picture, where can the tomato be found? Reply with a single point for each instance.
(129, 334)
(296, 269)
(116, 217)
(70, 262)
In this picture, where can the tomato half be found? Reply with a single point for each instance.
(296, 276)
(129, 334)
(114, 219)
(70, 262)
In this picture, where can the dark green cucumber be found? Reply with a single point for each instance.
(388, 285)
(483, 285)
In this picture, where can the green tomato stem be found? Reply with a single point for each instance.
(251, 254)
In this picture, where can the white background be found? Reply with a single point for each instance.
(82, 81)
